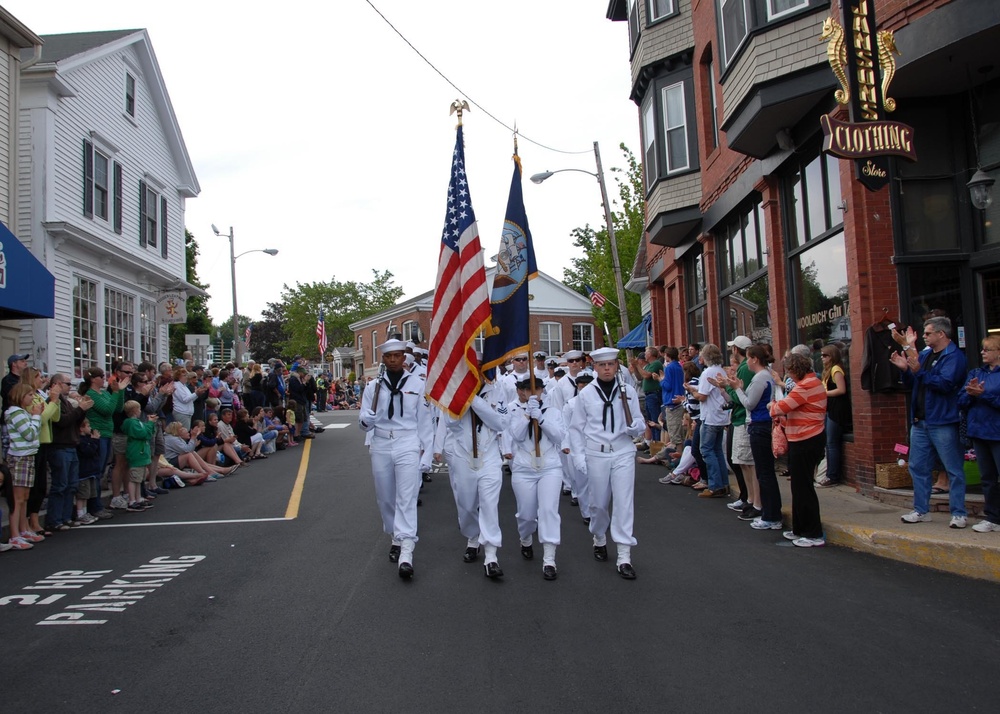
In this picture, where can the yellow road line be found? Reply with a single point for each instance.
(293, 502)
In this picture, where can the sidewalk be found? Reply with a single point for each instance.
(870, 526)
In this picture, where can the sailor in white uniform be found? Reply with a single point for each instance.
(600, 435)
(580, 482)
(536, 434)
(470, 446)
(401, 447)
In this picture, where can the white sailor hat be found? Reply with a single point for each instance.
(521, 354)
(410, 345)
(420, 351)
(604, 354)
(409, 359)
(540, 355)
(392, 346)
(552, 363)
(572, 354)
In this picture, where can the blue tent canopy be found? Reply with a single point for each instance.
(638, 336)
(27, 289)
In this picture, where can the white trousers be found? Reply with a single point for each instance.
(477, 495)
(612, 475)
(396, 470)
(537, 494)
(580, 484)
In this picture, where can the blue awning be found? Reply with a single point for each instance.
(638, 336)
(27, 289)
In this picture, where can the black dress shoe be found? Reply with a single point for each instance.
(493, 570)
(471, 554)
(405, 571)
(549, 572)
(426, 478)
(566, 492)
(420, 501)
(626, 571)
(394, 554)
(587, 521)
(527, 552)
(601, 552)
(574, 501)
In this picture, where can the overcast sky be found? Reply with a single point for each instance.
(316, 130)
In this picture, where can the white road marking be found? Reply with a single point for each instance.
(186, 523)
(336, 426)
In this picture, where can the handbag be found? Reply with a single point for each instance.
(779, 441)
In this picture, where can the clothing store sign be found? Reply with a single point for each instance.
(172, 309)
(864, 63)
(87, 597)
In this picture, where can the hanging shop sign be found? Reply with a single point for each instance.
(863, 61)
(171, 308)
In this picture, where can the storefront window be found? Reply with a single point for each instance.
(743, 269)
(935, 287)
(747, 312)
(813, 200)
(819, 279)
(991, 301)
(989, 155)
(697, 294)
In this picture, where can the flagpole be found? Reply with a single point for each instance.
(622, 312)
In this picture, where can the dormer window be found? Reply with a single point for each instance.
(130, 95)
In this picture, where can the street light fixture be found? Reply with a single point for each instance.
(619, 286)
(237, 346)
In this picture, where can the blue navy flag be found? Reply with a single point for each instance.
(515, 267)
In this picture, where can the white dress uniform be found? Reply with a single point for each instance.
(601, 444)
(476, 481)
(401, 442)
(537, 479)
(580, 483)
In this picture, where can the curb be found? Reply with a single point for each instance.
(971, 561)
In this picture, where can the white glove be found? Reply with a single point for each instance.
(533, 403)
(534, 412)
(425, 462)
(581, 464)
(369, 417)
(636, 428)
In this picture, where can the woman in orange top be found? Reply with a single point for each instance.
(804, 408)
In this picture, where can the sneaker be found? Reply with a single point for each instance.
(135, 507)
(211, 479)
(738, 505)
(986, 527)
(761, 525)
(809, 542)
(119, 503)
(159, 490)
(669, 478)
(88, 519)
(958, 522)
(178, 481)
(750, 514)
(32, 537)
(145, 503)
(915, 517)
(4, 547)
(19, 544)
(104, 515)
(790, 535)
(149, 496)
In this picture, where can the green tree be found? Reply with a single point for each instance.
(198, 321)
(269, 333)
(595, 267)
(342, 304)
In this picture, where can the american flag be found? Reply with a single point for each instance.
(246, 336)
(461, 301)
(321, 334)
(595, 297)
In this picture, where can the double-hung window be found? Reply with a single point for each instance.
(130, 94)
(658, 9)
(550, 337)
(735, 23)
(102, 184)
(649, 141)
(583, 337)
(675, 128)
(780, 8)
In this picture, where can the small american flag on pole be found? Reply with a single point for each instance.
(321, 334)
(595, 297)
(246, 336)
(461, 301)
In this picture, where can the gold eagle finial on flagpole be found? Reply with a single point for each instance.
(459, 105)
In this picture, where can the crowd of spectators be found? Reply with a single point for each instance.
(78, 452)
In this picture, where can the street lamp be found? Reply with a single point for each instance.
(237, 351)
(622, 312)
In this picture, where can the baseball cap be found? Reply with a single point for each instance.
(742, 341)
(14, 358)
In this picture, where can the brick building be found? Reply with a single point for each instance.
(749, 221)
(561, 320)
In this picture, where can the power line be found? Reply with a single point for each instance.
(481, 108)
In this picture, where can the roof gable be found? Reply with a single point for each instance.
(64, 53)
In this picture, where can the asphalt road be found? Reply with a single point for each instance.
(227, 606)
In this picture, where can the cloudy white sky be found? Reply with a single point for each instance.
(315, 129)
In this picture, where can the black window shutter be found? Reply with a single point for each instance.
(88, 179)
(142, 214)
(118, 198)
(163, 226)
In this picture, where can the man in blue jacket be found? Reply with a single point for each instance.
(934, 376)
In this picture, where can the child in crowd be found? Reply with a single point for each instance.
(88, 450)
(137, 452)
(24, 422)
(290, 422)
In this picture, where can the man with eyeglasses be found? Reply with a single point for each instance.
(508, 381)
(934, 376)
